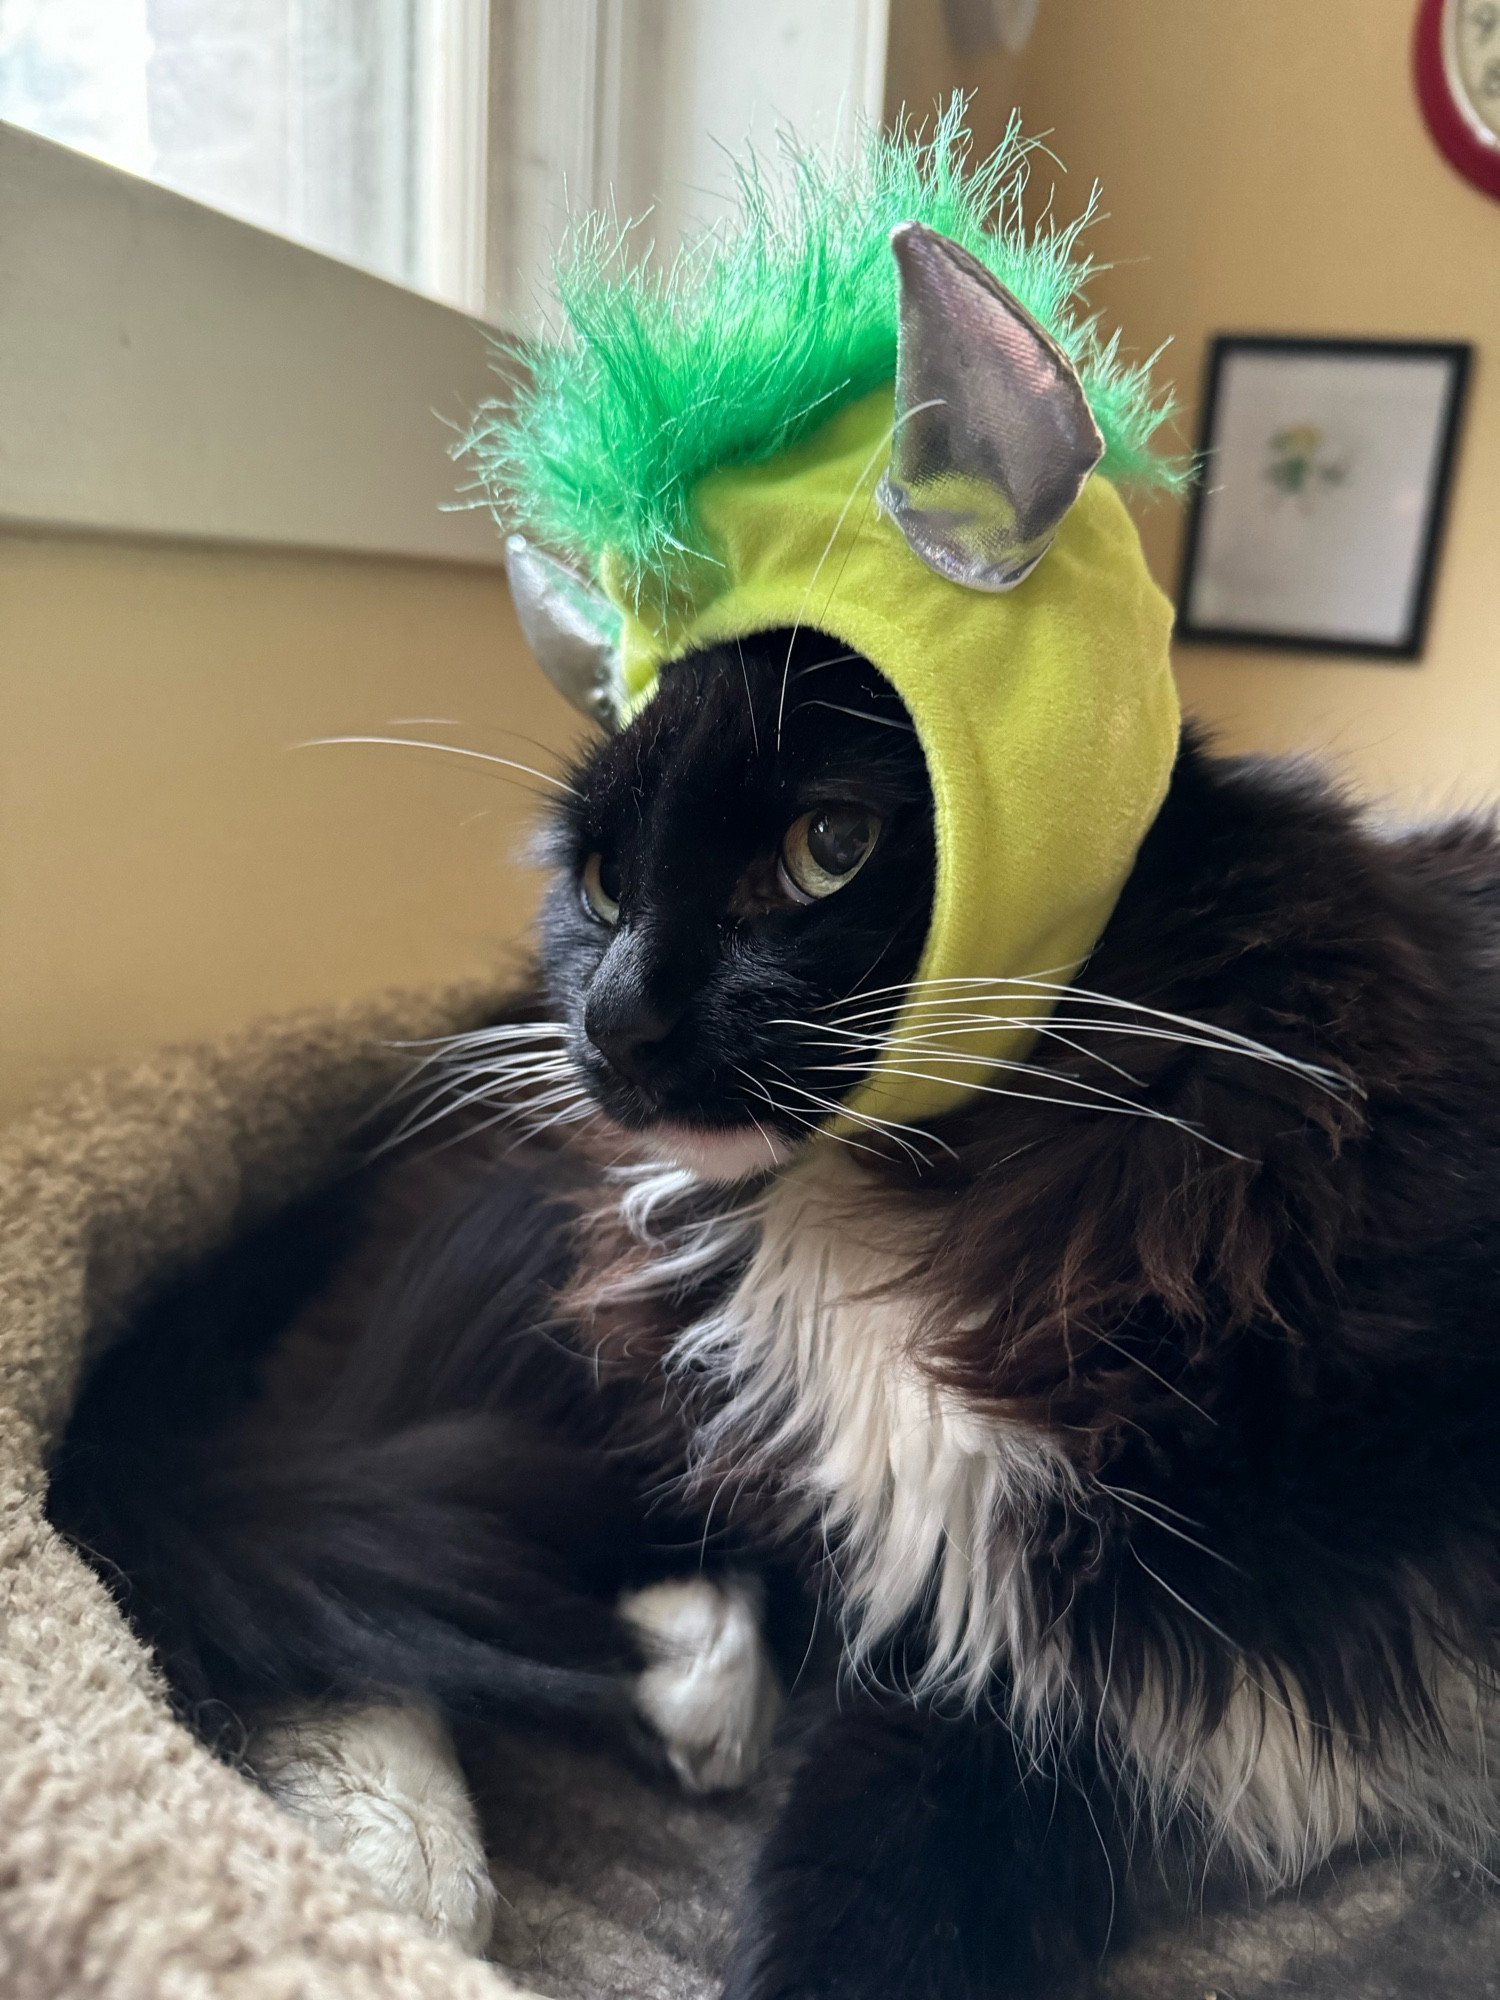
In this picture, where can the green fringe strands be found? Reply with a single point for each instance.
(754, 336)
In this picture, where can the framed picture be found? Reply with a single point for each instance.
(1319, 507)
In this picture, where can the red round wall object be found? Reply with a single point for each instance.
(1453, 124)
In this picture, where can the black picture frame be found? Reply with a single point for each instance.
(1455, 358)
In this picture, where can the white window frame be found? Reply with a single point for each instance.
(168, 370)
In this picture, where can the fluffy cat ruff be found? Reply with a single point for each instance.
(928, 1511)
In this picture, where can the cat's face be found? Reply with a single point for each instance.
(755, 849)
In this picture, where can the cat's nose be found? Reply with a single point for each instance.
(631, 1043)
(628, 1029)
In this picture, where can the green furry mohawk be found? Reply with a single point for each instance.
(751, 339)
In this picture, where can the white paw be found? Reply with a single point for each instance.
(710, 1690)
(381, 1786)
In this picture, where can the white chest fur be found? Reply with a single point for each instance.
(925, 1506)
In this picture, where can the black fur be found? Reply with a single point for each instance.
(440, 1514)
(1259, 1323)
(921, 1855)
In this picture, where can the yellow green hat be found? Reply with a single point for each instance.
(876, 411)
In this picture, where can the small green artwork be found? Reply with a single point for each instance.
(1300, 462)
(1327, 467)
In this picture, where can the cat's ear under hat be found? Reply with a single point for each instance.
(994, 438)
(573, 630)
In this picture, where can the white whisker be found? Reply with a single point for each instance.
(512, 1111)
(834, 660)
(859, 714)
(889, 1128)
(519, 1070)
(447, 749)
(499, 1031)
(812, 1125)
(739, 647)
(1156, 1375)
(460, 1078)
(1191, 1609)
(1184, 1029)
(1135, 1506)
(439, 1050)
(935, 1041)
(904, 986)
(1111, 1104)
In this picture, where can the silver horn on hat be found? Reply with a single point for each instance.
(573, 630)
(994, 437)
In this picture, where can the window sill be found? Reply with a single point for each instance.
(168, 370)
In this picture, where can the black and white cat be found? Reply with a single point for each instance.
(1132, 1433)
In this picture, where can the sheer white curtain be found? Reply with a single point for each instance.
(441, 143)
(354, 126)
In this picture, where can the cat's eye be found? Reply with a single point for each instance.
(601, 889)
(825, 849)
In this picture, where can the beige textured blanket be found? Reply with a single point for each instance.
(135, 1867)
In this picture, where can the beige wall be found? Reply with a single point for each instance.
(168, 866)
(1265, 168)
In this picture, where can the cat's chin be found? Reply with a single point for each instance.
(719, 1155)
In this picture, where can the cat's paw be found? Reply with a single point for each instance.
(381, 1786)
(710, 1689)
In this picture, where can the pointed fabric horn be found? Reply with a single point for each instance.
(994, 436)
(573, 630)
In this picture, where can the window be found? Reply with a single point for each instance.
(354, 126)
(166, 371)
(440, 143)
